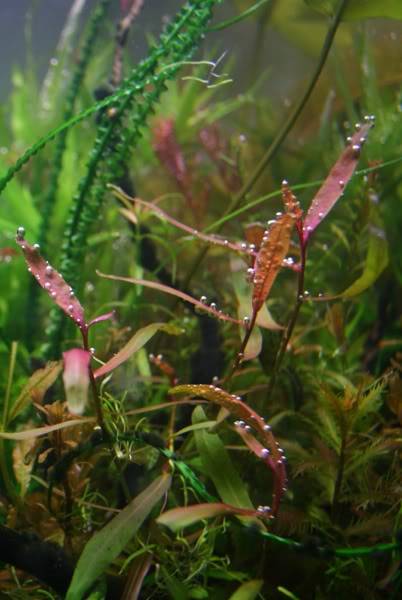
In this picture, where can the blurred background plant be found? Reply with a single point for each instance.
(206, 129)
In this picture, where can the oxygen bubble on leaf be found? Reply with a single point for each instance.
(20, 233)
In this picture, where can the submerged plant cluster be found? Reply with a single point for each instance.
(200, 361)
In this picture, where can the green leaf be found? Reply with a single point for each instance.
(360, 9)
(219, 467)
(376, 261)
(108, 543)
(35, 388)
(248, 590)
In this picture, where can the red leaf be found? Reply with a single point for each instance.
(332, 188)
(51, 281)
(101, 318)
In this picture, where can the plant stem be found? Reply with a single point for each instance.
(95, 394)
(282, 133)
(244, 343)
(339, 476)
(292, 322)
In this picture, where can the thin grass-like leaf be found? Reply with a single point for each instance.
(173, 292)
(210, 239)
(108, 543)
(38, 431)
(333, 187)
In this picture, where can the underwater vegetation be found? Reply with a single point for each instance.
(200, 310)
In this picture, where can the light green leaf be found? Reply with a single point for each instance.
(360, 9)
(108, 543)
(248, 590)
(376, 261)
(35, 388)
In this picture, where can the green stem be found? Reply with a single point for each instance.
(282, 133)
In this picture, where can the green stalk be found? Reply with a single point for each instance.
(282, 133)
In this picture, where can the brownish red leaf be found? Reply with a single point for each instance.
(274, 247)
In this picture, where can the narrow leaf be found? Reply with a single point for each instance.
(333, 187)
(51, 281)
(219, 467)
(173, 292)
(101, 318)
(210, 239)
(35, 388)
(109, 542)
(139, 339)
(248, 590)
(179, 518)
(38, 431)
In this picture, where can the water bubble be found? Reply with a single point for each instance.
(70, 308)
(54, 62)
(267, 427)
(240, 424)
(36, 247)
(213, 306)
(356, 150)
(265, 453)
(358, 126)
(243, 246)
(341, 183)
(20, 234)
(285, 182)
(203, 299)
(246, 321)
(49, 270)
(159, 357)
(349, 139)
(47, 285)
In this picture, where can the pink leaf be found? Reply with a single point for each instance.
(332, 188)
(51, 281)
(210, 239)
(76, 379)
(183, 516)
(169, 290)
(101, 318)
